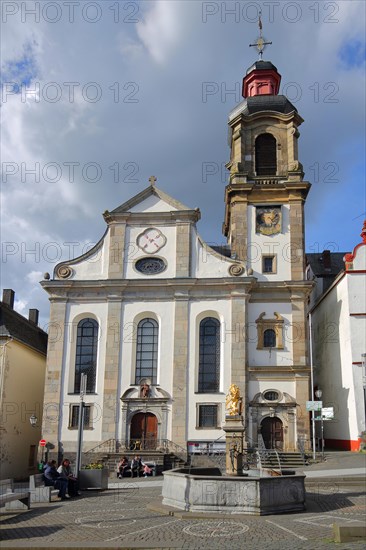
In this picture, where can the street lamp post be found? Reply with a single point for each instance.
(319, 394)
(312, 380)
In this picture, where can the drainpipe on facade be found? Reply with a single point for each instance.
(2, 370)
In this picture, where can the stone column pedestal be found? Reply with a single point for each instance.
(234, 430)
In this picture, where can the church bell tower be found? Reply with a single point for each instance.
(264, 218)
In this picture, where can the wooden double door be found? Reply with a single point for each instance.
(272, 433)
(144, 429)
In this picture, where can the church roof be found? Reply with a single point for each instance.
(262, 66)
(255, 104)
(147, 192)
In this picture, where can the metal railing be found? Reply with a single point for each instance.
(267, 457)
(108, 446)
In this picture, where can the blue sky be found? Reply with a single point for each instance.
(137, 102)
(21, 70)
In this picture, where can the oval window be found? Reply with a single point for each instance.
(271, 396)
(150, 266)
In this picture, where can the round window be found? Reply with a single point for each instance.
(150, 266)
(271, 395)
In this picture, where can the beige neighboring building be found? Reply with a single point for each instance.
(162, 324)
(23, 350)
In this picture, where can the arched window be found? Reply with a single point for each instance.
(86, 354)
(265, 155)
(147, 350)
(209, 356)
(269, 338)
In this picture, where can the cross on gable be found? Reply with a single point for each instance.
(152, 180)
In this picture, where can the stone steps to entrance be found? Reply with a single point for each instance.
(271, 459)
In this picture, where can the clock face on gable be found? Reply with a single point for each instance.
(268, 220)
(151, 240)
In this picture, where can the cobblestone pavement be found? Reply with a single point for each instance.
(120, 518)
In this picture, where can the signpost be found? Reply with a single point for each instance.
(314, 405)
(83, 380)
(328, 413)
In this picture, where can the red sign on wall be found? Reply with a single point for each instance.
(42, 443)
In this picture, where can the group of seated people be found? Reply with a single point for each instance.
(137, 467)
(61, 478)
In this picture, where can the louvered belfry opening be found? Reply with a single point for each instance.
(265, 155)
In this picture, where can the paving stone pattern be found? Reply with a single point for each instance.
(120, 518)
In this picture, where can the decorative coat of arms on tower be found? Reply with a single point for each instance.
(268, 220)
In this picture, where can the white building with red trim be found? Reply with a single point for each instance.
(339, 343)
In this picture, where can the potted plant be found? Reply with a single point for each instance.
(93, 476)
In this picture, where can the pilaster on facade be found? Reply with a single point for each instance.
(54, 380)
(180, 369)
(112, 370)
(117, 248)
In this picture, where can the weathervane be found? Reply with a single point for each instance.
(260, 43)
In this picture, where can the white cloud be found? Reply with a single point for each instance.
(129, 48)
(21, 306)
(160, 29)
(34, 276)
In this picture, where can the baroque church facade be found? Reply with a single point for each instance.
(162, 324)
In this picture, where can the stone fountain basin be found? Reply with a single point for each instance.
(207, 490)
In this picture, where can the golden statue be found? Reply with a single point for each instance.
(233, 401)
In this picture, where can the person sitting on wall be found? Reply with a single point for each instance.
(65, 472)
(52, 479)
(122, 467)
(136, 466)
(146, 470)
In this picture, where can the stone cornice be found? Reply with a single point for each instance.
(280, 369)
(299, 289)
(167, 289)
(241, 118)
(136, 218)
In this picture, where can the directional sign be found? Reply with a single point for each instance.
(328, 413)
(314, 405)
(42, 443)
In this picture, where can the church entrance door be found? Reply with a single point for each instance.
(272, 433)
(144, 431)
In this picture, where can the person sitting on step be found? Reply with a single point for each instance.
(136, 466)
(122, 467)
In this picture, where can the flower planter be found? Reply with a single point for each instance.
(94, 479)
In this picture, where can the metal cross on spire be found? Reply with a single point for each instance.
(261, 42)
